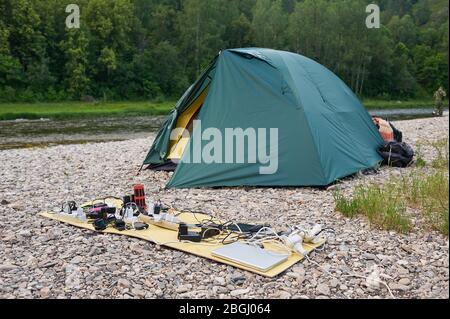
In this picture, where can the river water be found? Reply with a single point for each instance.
(44, 132)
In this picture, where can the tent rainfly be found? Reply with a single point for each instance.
(311, 127)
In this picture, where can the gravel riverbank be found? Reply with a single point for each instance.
(44, 259)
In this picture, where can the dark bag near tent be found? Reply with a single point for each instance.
(396, 154)
(398, 135)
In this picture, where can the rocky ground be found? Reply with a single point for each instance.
(41, 258)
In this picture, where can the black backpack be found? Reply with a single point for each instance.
(396, 154)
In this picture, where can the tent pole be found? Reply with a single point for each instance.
(140, 169)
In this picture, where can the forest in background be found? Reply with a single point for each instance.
(153, 49)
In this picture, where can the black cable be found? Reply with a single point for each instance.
(326, 229)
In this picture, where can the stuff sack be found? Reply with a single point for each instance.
(396, 154)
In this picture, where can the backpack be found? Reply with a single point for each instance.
(396, 154)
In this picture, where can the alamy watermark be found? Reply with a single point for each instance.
(373, 19)
(73, 19)
(231, 146)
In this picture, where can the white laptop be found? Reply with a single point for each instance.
(250, 256)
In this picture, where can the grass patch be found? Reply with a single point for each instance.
(420, 161)
(442, 148)
(430, 195)
(80, 110)
(385, 205)
(375, 104)
(382, 205)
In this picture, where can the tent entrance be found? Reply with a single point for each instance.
(185, 123)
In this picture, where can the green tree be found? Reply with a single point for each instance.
(269, 24)
(403, 30)
(25, 40)
(134, 49)
(201, 31)
(10, 69)
(403, 82)
(240, 34)
(75, 48)
(433, 72)
(421, 12)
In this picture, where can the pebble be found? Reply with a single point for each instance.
(123, 283)
(283, 295)
(399, 287)
(369, 256)
(45, 292)
(7, 267)
(401, 270)
(219, 280)
(404, 281)
(76, 260)
(343, 287)
(237, 279)
(184, 288)
(323, 289)
(138, 292)
(239, 292)
(25, 233)
(334, 283)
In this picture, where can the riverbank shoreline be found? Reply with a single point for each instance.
(82, 110)
(38, 254)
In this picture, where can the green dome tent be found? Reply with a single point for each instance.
(309, 128)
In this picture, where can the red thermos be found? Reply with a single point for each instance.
(139, 195)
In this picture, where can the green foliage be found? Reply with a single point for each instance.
(441, 148)
(74, 48)
(141, 49)
(382, 206)
(420, 161)
(429, 194)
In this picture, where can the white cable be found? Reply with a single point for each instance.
(209, 228)
(264, 229)
(237, 226)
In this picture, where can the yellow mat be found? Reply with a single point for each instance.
(168, 238)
